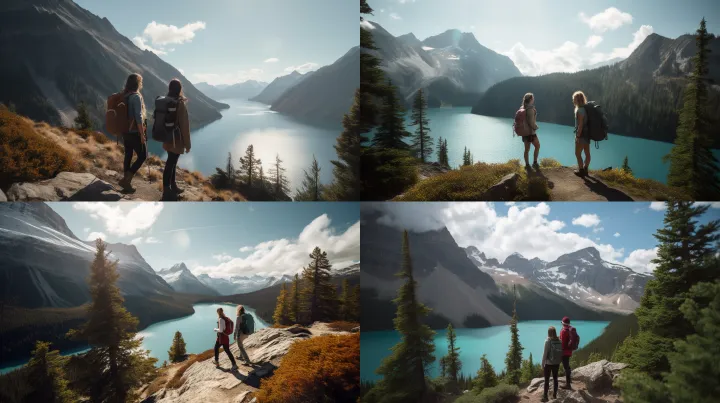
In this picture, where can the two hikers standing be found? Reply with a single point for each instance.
(225, 329)
(558, 350)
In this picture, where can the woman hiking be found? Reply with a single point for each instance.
(135, 140)
(180, 142)
(528, 104)
(582, 140)
(551, 359)
(239, 335)
(224, 323)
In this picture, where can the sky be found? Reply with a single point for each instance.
(622, 232)
(223, 239)
(230, 41)
(543, 36)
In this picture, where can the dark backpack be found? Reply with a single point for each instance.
(555, 354)
(574, 342)
(597, 125)
(165, 119)
(229, 326)
(248, 324)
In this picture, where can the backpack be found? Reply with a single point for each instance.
(574, 339)
(165, 118)
(248, 324)
(555, 354)
(597, 125)
(228, 326)
(520, 125)
(117, 121)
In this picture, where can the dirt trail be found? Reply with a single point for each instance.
(566, 186)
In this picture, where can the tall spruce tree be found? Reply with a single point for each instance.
(346, 301)
(319, 294)
(294, 297)
(116, 364)
(486, 376)
(372, 86)
(261, 179)
(527, 370)
(47, 377)
(346, 169)
(281, 185)
(312, 189)
(391, 133)
(421, 141)
(355, 296)
(626, 166)
(693, 167)
(513, 360)
(83, 121)
(249, 166)
(282, 309)
(404, 370)
(452, 359)
(177, 350)
(230, 171)
(442, 153)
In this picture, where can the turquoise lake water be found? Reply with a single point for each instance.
(491, 140)
(473, 343)
(269, 132)
(197, 331)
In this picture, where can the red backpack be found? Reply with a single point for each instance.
(521, 126)
(574, 339)
(228, 326)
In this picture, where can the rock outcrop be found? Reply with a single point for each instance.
(65, 186)
(592, 383)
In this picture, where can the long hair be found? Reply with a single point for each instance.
(579, 99)
(240, 310)
(175, 89)
(220, 312)
(526, 99)
(552, 333)
(134, 83)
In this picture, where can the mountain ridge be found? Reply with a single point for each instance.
(182, 280)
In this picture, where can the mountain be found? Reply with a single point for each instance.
(242, 284)
(182, 280)
(605, 63)
(640, 95)
(452, 67)
(278, 86)
(221, 285)
(347, 271)
(244, 90)
(325, 96)
(57, 54)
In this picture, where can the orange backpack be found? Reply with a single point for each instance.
(117, 122)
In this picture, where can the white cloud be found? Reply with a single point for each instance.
(86, 230)
(303, 68)
(95, 235)
(587, 220)
(229, 78)
(181, 239)
(640, 260)
(288, 256)
(140, 43)
(622, 53)
(608, 20)
(532, 62)
(395, 16)
(405, 1)
(367, 25)
(141, 240)
(272, 60)
(658, 206)
(137, 241)
(593, 41)
(161, 34)
(616, 235)
(222, 257)
(247, 249)
(598, 229)
(121, 221)
(711, 204)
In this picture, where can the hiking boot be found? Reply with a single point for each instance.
(567, 387)
(177, 190)
(544, 398)
(126, 181)
(527, 166)
(586, 171)
(579, 172)
(535, 165)
(555, 395)
(234, 368)
(217, 364)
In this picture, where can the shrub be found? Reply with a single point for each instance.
(343, 326)
(25, 155)
(321, 369)
(550, 163)
(646, 189)
(386, 173)
(177, 379)
(502, 393)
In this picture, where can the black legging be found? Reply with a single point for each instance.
(225, 347)
(169, 172)
(554, 369)
(566, 365)
(133, 144)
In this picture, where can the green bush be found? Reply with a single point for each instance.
(502, 393)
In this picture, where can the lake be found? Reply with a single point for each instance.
(270, 133)
(197, 331)
(473, 343)
(491, 140)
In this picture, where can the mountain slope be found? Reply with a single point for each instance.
(242, 284)
(244, 90)
(641, 95)
(182, 280)
(57, 54)
(278, 86)
(326, 96)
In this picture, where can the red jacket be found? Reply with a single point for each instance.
(565, 339)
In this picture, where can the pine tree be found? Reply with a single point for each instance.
(391, 133)
(294, 310)
(443, 366)
(626, 166)
(281, 185)
(281, 315)
(312, 189)
(527, 370)
(83, 121)
(318, 294)
(442, 152)
(693, 167)
(346, 301)
(261, 178)
(513, 360)
(346, 169)
(452, 359)
(486, 377)
(249, 166)
(116, 364)
(372, 79)
(177, 350)
(355, 296)
(230, 171)
(422, 142)
(404, 369)
(45, 370)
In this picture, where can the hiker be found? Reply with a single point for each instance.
(179, 141)
(224, 329)
(526, 127)
(242, 332)
(551, 359)
(135, 140)
(570, 342)
(582, 139)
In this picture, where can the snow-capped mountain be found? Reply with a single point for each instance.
(182, 280)
(242, 284)
(347, 271)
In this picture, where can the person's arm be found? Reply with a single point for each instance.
(581, 120)
(221, 326)
(136, 114)
(238, 323)
(184, 123)
(545, 352)
(532, 119)
(564, 339)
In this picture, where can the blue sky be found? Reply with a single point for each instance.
(223, 239)
(622, 232)
(547, 36)
(229, 41)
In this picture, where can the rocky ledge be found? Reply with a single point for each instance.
(592, 383)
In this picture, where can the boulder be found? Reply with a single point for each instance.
(505, 190)
(598, 375)
(2, 196)
(269, 344)
(65, 186)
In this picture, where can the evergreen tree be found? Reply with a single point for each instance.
(346, 169)
(372, 79)
(261, 178)
(349, 303)
(405, 368)
(443, 367)
(230, 171)
(467, 157)
(626, 166)
(527, 370)
(355, 312)
(442, 152)
(294, 310)
(177, 351)
(513, 360)
(249, 166)
(693, 166)
(281, 185)
(83, 121)
(422, 142)
(452, 359)
(391, 133)
(486, 377)
(116, 364)
(47, 377)
(282, 309)
(319, 294)
(312, 189)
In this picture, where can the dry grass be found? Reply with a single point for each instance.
(154, 176)
(645, 189)
(189, 178)
(343, 326)
(156, 385)
(154, 160)
(177, 379)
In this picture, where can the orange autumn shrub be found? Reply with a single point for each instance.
(343, 326)
(321, 369)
